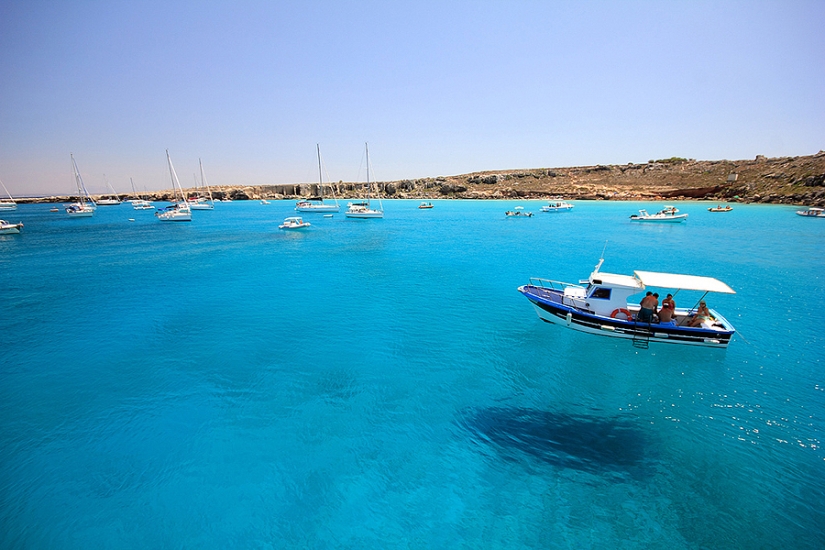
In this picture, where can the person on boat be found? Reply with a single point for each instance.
(669, 301)
(666, 315)
(702, 315)
(648, 307)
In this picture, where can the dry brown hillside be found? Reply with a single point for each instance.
(787, 180)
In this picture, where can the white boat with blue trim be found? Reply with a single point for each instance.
(599, 305)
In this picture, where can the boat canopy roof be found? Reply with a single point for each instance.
(614, 280)
(683, 282)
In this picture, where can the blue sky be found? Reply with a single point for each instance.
(436, 88)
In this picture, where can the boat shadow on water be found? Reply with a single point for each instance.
(601, 446)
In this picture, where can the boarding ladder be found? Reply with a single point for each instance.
(641, 335)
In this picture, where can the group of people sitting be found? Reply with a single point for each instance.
(666, 315)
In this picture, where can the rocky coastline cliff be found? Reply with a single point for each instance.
(784, 180)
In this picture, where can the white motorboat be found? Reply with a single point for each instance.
(812, 212)
(294, 222)
(202, 201)
(669, 214)
(425, 205)
(317, 204)
(179, 211)
(264, 201)
(600, 306)
(720, 208)
(557, 205)
(7, 204)
(8, 228)
(363, 209)
(85, 206)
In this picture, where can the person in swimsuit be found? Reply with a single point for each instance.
(648, 307)
(666, 315)
(702, 314)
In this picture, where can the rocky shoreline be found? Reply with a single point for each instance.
(784, 180)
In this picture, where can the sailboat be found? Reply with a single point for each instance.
(316, 204)
(179, 211)
(7, 204)
(109, 201)
(202, 203)
(139, 203)
(85, 206)
(362, 208)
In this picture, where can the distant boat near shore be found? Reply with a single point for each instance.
(85, 206)
(7, 204)
(179, 211)
(667, 215)
(812, 212)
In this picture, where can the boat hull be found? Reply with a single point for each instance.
(365, 214)
(679, 218)
(201, 207)
(85, 212)
(557, 313)
(10, 228)
(318, 208)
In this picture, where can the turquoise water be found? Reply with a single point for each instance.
(382, 384)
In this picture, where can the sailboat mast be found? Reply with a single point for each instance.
(175, 183)
(78, 181)
(204, 182)
(369, 188)
(320, 176)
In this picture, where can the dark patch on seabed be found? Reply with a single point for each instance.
(593, 444)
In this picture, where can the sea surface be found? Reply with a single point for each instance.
(382, 384)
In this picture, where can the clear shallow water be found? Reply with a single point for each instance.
(381, 384)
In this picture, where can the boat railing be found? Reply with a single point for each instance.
(550, 284)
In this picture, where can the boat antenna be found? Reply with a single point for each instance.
(601, 259)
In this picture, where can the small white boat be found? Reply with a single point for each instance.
(720, 208)
(264, 201)
(425, 205)
(812, 212)
(317, 204)
(667, 215)
(294, 222)
(7, 204)
(601, 307)
(179, 211)
(8, 228)
(557, 205)
(363, 209)
(85, 206)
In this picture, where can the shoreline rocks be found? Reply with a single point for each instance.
(784, 180)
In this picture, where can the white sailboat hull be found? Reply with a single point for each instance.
(8, 206)
(365, 214)
(318, 208)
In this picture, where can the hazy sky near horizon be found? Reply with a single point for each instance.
(436, 88)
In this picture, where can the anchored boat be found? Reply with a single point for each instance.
(599, 305)
(557, 204)
(669, 214)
